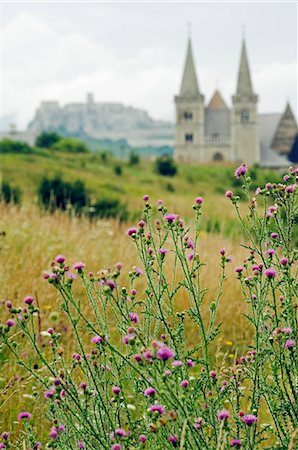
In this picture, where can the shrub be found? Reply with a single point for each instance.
(10, 194)
(57, 194)
(134, 159)
(9, 146)
(118, 170)
(165, 166)
(107, 207)
(70, 145)
(47, 139)
(146, 380)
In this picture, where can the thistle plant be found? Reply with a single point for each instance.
(133, 379)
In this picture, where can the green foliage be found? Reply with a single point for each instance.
(9, 146)
(118, 170)
(134, 159)
(109, 207)
(70, 145)
(47, 139)
(10, 194)
(165, 166)
(57, 194)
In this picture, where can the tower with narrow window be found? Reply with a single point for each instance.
(189, 140)
(244, 119)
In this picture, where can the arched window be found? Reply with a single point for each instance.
(187, 115)
(188, 137)
(244, 116)
(218, 157)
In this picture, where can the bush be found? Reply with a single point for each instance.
(47, 139)
(9, 146)
(70, 145)
(135, 374)
(57, 194)
(118, 170)
(10, 194)
(134, 159)
(165, 166)
(109, 208)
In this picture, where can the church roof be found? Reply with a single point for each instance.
(189, 85)
(244, 84)
(285, 133)
(217, 122)
(293, 155)
(217, 102)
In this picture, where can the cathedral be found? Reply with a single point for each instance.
(217, 133)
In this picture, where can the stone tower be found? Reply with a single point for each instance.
(244, 123)
(189, 142)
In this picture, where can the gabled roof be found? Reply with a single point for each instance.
(293, 155)
(189, 85)
(285, 133)
(244, 84)
(217, 102)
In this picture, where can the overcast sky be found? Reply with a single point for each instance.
(134, 53)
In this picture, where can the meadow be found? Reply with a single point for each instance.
(31, 237)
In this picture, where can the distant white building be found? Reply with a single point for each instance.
(217, 133)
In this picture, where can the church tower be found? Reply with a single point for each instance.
(244, 125)
(189, 145)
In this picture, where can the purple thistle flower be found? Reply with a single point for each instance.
(111, 284)
(286, 330)
(239, 269)
(258, 190)
(198, 423)
(60, 259)
(96, 340)
(149, 392)
(116, 447)
(240, 171)
(190, 363)
(137, 358)
(81, 444)
(184, 384)
(164, 353)
(290, 189)
(274, 235)
(116, 390)
(163, 251)
(71, 276)
(249, 419)
(129, 338)
(120, 432)
(177, 363)
(9, 323)
(271, 251)
(286, 178)
(146, 198)
(28, 300)
(173, 440)
(284, 261)
(134, 317)
(270, 273)
(223, 414)
(61, 428)
(290, 343)
(142, 438)
(229, 194)
(199, 200)
(147, 355)
(5, 435)
(132, 231)
(235, 443)
(2, 445)
(79, 266)
(53, 433)
(24, 415)
(49, 393)
(157, 408)
(170, 218)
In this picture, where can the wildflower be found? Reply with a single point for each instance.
(212, 374)
(49, 393)
(116, 390)
(168, 373)
(157, 408)
(120, 432)
(235, 443)
(270, 273)
(81, 445)
(2, 445)
(79, 266)
(28, 300)
(284, 261)
(222, 252)
(128, 339)
(116, 447)
(268, 186)
(184, 384)
(199, 200)
(8, 304)
(60, 259)
(71, 276)
(96, 340)
(146, 198)
(286, 178)
(190, 363)
(142, 438)
(177, 363)
(190, 257)
(61, 428)
(223, 414)
(24, 415)
(53, 433)
(170, 218)
(5, 435)
(163, 251)
(271, 251)
(173, 440)
(149, 392)
(164, 353)
(239, 269)
(83, 385)
(286, 330)
(290, 343)
(198, 423)
(229, 194)
(290, 189)
(274, 235)
(240, 171)
(249, 419)
(137, 357)
(258, 190)
(9, 323)
(132, 231)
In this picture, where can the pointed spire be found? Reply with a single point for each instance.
(217, 102)
(189, 85)
(244, 85)
(285, 133)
